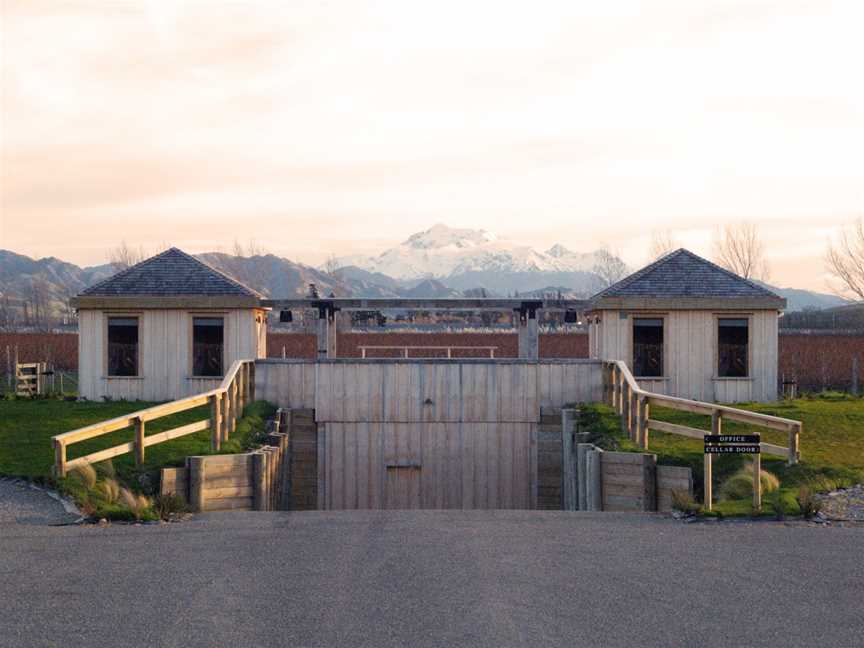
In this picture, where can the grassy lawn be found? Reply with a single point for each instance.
(832, 446)
(26, 428)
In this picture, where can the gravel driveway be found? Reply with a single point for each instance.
(21, 503)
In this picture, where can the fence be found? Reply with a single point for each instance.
(403, 350)
(227, 403)
(633, 404)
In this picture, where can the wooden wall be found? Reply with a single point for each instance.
(430, 465)
(164, 338)
(428, 390)
(691, 354)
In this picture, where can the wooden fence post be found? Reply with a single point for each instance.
(757, 482)
(716, 428)
(226, 414)
(644, 413)
(139, 442)
(794, 441)
(59, 459)
(215, 423)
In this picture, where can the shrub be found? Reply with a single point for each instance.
(106, 469)
(168, 505)
(740, 484)
(777, 504)
(84, 475)
(137, 504)
(807, 502)
(110, 491)
(683, 501)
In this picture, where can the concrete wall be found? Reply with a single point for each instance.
(690, 361)
(165, 353)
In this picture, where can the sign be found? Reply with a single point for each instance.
(732, 444)
(733, 449)
(731, 438)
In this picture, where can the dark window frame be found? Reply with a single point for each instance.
(648, 362)
(122, 362)
(208, 355)
(733, 348)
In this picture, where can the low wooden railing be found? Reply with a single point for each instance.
(633, 404)
(227, 403)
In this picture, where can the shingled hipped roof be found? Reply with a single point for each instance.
(689, 279)
(172, 276)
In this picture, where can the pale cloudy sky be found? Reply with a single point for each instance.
(318, 127)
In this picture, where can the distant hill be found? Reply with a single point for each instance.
(798, 299)
(34, 291)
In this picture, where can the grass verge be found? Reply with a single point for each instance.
(26, 428)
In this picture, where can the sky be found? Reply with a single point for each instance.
(318, 128)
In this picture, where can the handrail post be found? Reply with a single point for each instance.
(644, 411)
(226, 415)
(139, 441)
(716, 428)
(757, 482)
(215, 423)
(59, 458)
(794, 440)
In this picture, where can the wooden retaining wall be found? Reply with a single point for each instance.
(258, 480)
(669, 479)
(626, 481)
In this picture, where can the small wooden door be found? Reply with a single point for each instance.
(402, 487)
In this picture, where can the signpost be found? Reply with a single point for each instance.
(717, 443)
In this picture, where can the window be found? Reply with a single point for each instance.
(732, 353)
(648, 347)
(122, 346)
(207, 344)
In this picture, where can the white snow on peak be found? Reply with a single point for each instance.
(443, 251)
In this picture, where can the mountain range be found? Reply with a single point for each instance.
(439, 262)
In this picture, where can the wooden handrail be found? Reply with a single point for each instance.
(227, 403)
(633, 403)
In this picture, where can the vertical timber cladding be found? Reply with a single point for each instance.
(437, 434)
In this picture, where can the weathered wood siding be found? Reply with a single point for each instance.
(164, 338)
(690, 360)
(428, 390)
(430, 465)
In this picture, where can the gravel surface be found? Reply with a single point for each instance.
(844, 504)
(432, 578)
(22, 503)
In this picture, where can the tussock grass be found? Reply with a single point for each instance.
(740, 485)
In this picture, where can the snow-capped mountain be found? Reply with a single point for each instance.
(443, 252)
